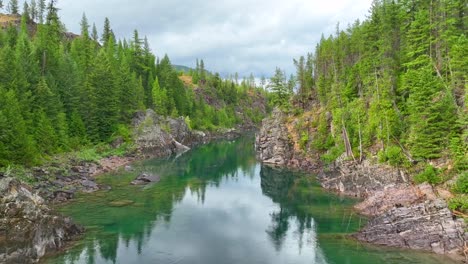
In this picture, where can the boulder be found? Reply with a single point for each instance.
(145, 178)
(28, 227)
(62, 196)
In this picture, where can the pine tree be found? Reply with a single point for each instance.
(159, 99)
(279, 88)
(41, 11)
(94, 34)
(431, 113)
(106, 33)
(26, 12)
(13, 7)
(33, 10)
(104, 86)
(16, 146)
(44, 134)
(78, 135)
(196, 73)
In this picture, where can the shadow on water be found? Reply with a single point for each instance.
(216, 204)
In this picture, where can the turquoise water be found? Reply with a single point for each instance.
(217, 204)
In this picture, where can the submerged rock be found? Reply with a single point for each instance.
(28, 227)
(145, 178)
(121, 203)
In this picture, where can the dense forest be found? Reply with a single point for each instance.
(395, 83)
(60, 91)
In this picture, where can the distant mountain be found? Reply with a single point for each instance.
(182, 68)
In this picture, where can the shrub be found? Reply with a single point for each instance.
(459, 203)
(332, 154)
(304, 140)
(122, 131)
(89, 155)
(430, 175)
(461, 186)
(393, 155)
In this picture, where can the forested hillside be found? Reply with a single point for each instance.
(60, 91)
(393, 85)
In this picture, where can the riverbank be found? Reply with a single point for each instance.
(401, 213)
(29, 227)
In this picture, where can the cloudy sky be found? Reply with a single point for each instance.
(241, 36)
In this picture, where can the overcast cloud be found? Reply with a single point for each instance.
(230, 35)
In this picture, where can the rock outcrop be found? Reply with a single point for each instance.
(401, 215)
(275, 145)
(412, 217)
(272, 143)
(28, 227)
(359, 179)
(158, 136)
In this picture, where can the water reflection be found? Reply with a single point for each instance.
(216, 204)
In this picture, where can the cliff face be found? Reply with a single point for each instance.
(158, 136)
(28, 227)
(276, 144)
(401, 215)
(272, 143)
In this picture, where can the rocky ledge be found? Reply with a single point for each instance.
(413, 217)
(28, 227)
(158, 136)
(401, 215)
(359, 179)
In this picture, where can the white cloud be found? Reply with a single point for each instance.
(231, 35)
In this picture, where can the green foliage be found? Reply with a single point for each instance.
(459, 203)
(88, 155)
(332, 154)
(280, 89)
(461, 186)
(399, 77)
(430, 175)
(60, 94)
(304, 140)
(122, 131)
(394, 156)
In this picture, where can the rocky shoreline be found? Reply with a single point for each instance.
(29, 228)
(401, 214)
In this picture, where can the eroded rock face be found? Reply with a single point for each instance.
(428, 225)
(360, 180)
(158, 137)
(272, 143)
(28, 228)
(411, 217)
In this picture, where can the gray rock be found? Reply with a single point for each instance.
(28, 227)
(89, 186)
(272, 143)
(360, 179)
(428, 226)
(63, 196)
(145, 178)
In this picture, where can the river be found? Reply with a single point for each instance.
(217, 204)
